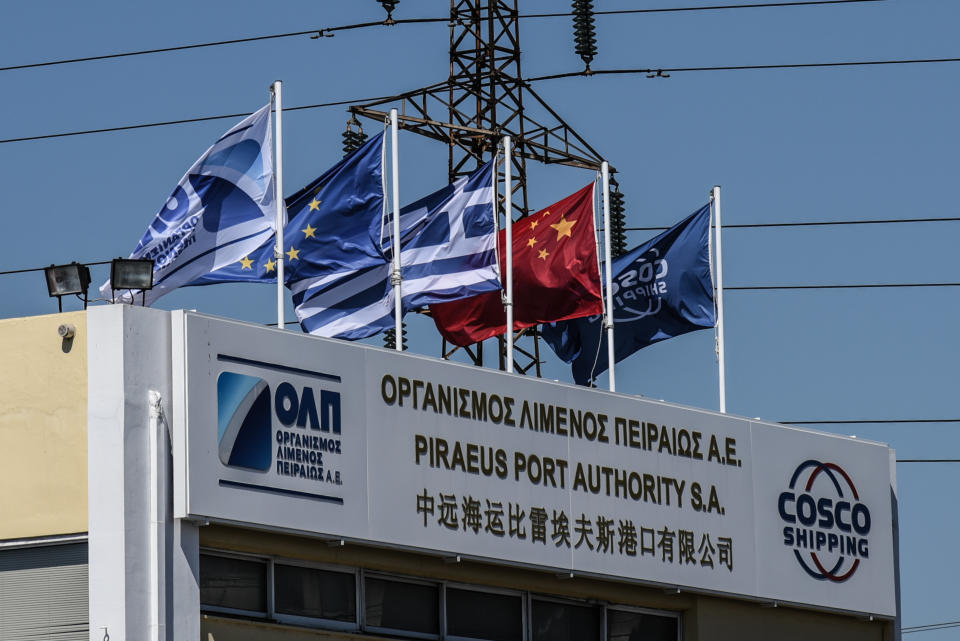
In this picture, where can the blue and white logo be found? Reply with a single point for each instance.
(244, 421)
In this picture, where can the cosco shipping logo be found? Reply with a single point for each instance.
(827, 524)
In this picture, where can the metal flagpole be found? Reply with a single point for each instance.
(721, 356)
(508, 205)
(608, 263)
(397, 278)
(276, 90)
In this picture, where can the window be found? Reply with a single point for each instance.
(624, 625)
(401, 605)
(560, 621)
(233, 583)
(484, 615)
(311, 592)
(327, 596)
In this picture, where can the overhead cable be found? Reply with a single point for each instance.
(930, 626)
(329, 31)
(665, 71)
(184, 121)
(816, 223)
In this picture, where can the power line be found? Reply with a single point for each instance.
(665, 71)
(816, 223)
(550, 77)
(329, 31)
(40, 269)
(719, 7)
(183, 121)
(930, 626)
(144, 52)
(888, 421)
(851, 286)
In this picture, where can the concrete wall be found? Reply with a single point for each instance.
(43, 427)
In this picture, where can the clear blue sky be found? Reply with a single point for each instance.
(790, 145)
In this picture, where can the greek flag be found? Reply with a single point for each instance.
(221, 211)
(447, 253)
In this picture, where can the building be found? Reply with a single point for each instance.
(171, 475)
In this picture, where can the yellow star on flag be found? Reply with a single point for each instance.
(543, 254)
(315, 204)
(531, 242)
(270, 265)
(293, 254)
(563, 227)
(246, 263)
(309, 231)
(534, 223)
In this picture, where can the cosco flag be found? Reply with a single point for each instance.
(661, 289)
(221, 210)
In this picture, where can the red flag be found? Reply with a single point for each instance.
(555, 275)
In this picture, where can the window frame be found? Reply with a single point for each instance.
(360, 625)
(472, 587)
(317, 622)
(535, 596)
(264, 615)
(667, 614)
(400, 578)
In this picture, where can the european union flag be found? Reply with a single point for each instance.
(221, 211)
(334, 225)
(661, 289)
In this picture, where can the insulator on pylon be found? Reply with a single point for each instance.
(389, 6)
(584, 32)
(390, 337)
(618, 224)
(353, 140)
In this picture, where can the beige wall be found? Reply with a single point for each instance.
(704, 618)
(43, 427)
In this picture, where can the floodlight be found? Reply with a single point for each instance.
(63, 280)
(132, 273)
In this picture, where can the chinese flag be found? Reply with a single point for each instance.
(555, 275)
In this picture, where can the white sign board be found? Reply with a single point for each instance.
(287, 431)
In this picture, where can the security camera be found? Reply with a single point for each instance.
(66, 331)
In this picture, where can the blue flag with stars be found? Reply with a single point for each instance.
(334, 225)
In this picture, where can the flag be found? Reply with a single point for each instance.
(348, 196)
(448, 242)
(661, 289)
(555, 273)
(221, 210)
(447, 251)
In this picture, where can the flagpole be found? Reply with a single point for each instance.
(608, 263)
(508, 205)
(397, 279)
(276, 89)
(721, 355)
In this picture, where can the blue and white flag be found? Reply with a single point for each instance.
(221, 211)
(447, 253)
(661, 289)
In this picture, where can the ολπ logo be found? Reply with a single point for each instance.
(243, 421)
(827, 525)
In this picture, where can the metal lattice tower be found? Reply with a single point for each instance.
(482, 100)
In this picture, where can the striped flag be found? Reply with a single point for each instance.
(447, 253)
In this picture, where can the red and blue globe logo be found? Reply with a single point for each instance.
(826, 523)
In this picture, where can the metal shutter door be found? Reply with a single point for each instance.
(43, 593)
